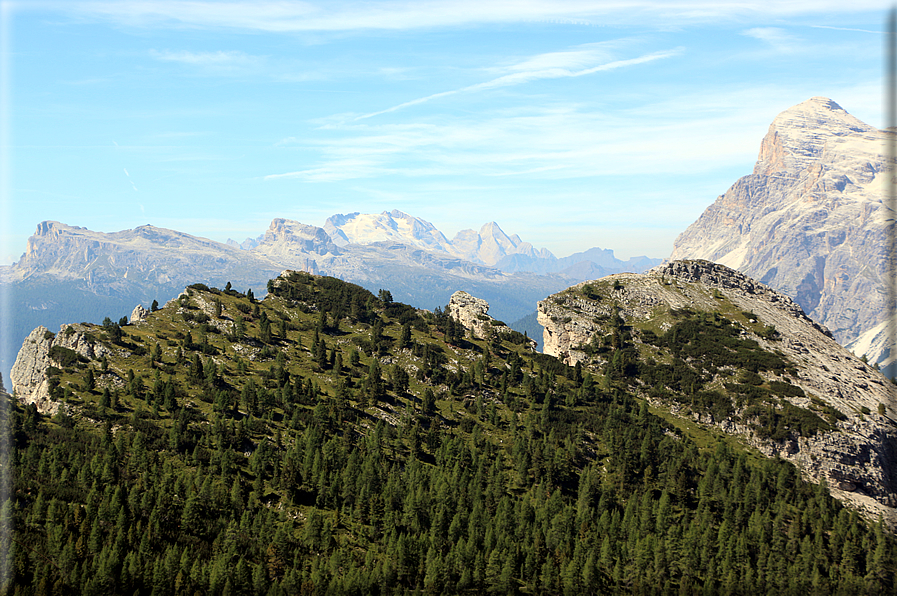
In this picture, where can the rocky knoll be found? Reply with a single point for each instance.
(856, 456)
(809, 220)
(470, 312)
(30, 383)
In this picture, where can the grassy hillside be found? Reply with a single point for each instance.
(326, 440)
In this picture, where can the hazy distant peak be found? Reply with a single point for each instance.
(389, 226)
(287, 238)
(281, 229)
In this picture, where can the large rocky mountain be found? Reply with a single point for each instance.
(73, 274)
(809, 221)
(711, 344)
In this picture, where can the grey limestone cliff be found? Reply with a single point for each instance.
(29, 378)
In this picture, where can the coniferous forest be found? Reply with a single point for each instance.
(326, 440)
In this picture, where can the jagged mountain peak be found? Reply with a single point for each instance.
(487, 246)
(287, 238)
(808, 220)
(800, 135)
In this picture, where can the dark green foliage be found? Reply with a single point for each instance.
(515, 337)
(327, 294)
(65, 356)
(786, 389)
(716, 342)
(703, 344)
(778, 421)
(591, 292)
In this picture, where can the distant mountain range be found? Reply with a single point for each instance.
(810, 222)
(68, 273)
(490, 246)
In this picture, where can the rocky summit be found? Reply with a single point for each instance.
(809, 221)
(706, 342)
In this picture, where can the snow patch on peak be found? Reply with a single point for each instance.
(487, 247)
(388, 226)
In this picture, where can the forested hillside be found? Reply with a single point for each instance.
(329, 441)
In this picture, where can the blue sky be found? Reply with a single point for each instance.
(572, 124)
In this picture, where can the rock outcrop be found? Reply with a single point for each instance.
(809, 221)
(139, 314)
(472, 314)
(29, 378)
(857, 457)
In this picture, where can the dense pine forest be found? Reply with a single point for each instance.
(326, 440)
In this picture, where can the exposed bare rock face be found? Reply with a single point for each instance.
(809, 221)
(30, 383)
(288, 241)
(138, 315)
(856, 456)
(473, 315)
(470, 312)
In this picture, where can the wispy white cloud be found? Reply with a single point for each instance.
(237, 63)
(178, 134)
(777, 38)
(579, 57)
(295, 16)
(218, 62)
(549, 143)
(545, 66)
(201, 58)
(846, 29)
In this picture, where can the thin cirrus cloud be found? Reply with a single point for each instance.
(298, 16)
(562, 142)
(776, 37)
(550, 66)
(847, 29)
(206, 59)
